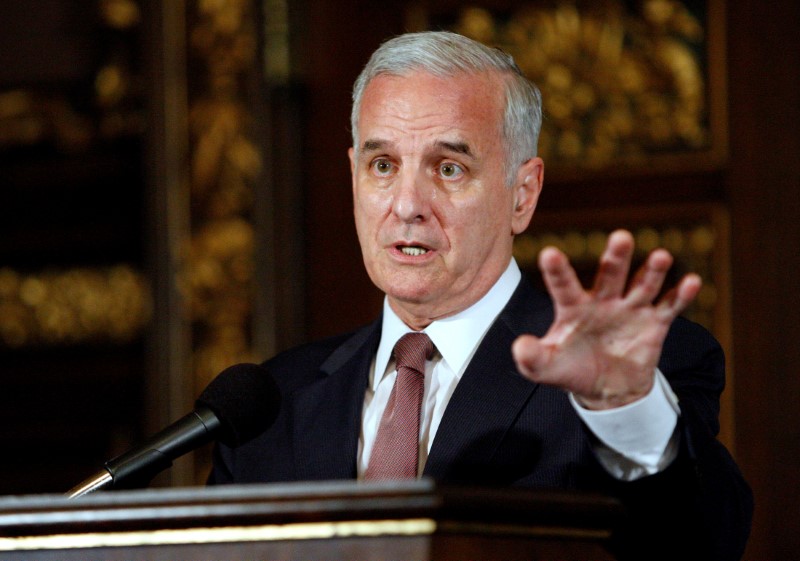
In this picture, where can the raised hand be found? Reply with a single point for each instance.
(605, 343)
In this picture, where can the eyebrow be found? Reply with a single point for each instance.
(373, 145)
(457, 147)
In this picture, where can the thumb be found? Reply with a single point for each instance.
(528, 353)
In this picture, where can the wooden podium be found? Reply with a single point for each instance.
(416, 520)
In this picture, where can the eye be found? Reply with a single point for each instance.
(382, 167)
(449, 170)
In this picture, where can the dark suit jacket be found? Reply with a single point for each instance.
(501, 429)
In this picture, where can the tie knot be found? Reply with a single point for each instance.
(411, 351)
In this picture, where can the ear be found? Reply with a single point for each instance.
(351, 153)
(527, 188)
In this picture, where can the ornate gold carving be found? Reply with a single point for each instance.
(217, 277)
(74, 306)
(618, 84)
(120, 14)
(30, 116)
(80, 305)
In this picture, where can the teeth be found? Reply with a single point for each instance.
(413, 250)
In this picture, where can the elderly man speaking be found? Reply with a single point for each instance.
(470, 375)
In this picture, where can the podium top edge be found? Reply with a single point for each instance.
(243, 505)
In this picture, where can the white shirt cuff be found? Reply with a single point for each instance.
(638, 435)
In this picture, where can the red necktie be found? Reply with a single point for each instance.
(395, 454)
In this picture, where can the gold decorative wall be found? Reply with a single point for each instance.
(80, 305)
(624, 85)
(218, 275)
(58, 305)
(76, 302)
(36, 115)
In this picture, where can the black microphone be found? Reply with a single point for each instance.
(238, 405)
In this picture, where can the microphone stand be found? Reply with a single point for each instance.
(138, 466)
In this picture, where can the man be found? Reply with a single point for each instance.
(605, 390)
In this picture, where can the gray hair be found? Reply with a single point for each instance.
(446, 54)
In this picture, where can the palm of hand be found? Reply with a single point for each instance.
(604, 344)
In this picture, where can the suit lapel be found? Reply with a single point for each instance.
(326, 415)
(491, 393)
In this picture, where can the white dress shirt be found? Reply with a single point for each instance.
(636, 439)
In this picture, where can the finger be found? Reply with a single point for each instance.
(559, 277)
(615, 263)
(529, 354)
(676, 300)
(649, 278)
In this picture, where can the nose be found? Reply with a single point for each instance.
(412, 198)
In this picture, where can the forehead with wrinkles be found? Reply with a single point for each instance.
(441, 111)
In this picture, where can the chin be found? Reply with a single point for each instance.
(413, 293)
(409, 295)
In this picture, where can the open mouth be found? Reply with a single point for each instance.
(413, 250)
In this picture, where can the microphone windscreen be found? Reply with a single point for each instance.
(245, 399)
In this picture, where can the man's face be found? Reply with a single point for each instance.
(434, 216)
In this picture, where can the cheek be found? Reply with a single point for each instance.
(369, 208)
(467, 233)
(477, 223)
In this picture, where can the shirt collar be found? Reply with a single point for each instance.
(456, 337)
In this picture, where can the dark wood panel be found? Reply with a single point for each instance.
(47, 42)
(338, 41)
(60, 210)
(63, 412)
(71, 201)
(764, 186)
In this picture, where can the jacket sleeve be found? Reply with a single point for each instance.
(700, 507)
